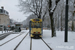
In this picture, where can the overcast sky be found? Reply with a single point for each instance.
(10, 6)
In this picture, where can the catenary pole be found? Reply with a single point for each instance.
(66, 22)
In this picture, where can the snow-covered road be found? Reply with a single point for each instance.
(12, 44)
(38, 44)
(25, 45)
(56, 43)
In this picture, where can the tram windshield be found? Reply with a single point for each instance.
(36, 24)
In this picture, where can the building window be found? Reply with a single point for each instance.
(1, 11)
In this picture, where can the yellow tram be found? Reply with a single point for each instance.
(35, 28)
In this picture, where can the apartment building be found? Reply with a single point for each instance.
(4, 17)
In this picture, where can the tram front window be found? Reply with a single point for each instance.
(36, 25)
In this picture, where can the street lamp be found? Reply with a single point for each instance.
(66, 22)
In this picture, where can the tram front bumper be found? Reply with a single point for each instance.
(37, 35)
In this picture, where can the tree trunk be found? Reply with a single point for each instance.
(58, 23)
(72, 26)
(52, 24)
(61, 22)
(51, 18)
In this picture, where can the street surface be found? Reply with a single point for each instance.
(22, 41)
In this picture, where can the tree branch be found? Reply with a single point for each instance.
(40, 9)
(45, 13)
(34, 12)
(55, 6)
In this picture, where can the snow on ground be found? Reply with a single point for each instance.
(56, 43)
(5, 32)
(12, 44)
(38, 44)
(11, 36)
(25, 45)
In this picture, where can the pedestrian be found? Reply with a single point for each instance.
(5, 28)
(19, 29)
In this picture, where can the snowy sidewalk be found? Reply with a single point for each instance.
(57, 43)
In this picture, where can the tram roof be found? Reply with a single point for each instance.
(36, 20)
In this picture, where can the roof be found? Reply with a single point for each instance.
(2, 11)
(34, 20)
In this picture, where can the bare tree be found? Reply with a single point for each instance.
(51, 12)
(62, 10)
(73, 13)
(73, 16)
(37, 7)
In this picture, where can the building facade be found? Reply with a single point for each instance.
(4, 17)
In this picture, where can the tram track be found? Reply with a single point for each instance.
(42, 41)
(20, 42)
(31, 44)
(11, 39)
(46, 44)
(4, 35)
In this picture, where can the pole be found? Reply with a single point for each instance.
(66, 22)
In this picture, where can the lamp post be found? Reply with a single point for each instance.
(66, 22)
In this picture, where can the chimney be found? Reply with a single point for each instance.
(2, 7)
